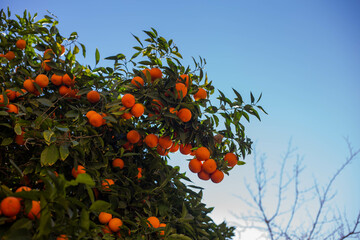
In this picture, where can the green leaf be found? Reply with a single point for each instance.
(83, 49)
(49, 155)
(47, 136)
(6, 141)
(72, 114)
(84, 219)
(100, 206)
(64, 151)
(45, 219)
(97, 56)
(85, 179)
(76, 50)
(4, 113)
(17, 129)
(252, 97)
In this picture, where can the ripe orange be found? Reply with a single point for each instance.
(200, 94)
(106, 230)
(45, 66)
(209, 166)
(90, 113)
(184, 78)
(23, 188)
(133, 136)
(217, 176)
(165, 142)
(139, 175)
(184, 114)
(56, 79)
(2, 100)
(104, 217)
(48, 54)
(10, 94)
(96, 120)
(115, 224)
(20, 93)
(117, 162)
(64, 91)
(10, 206)
(172, 110)
(155, 73)
(19, 139)
(202, 153)
(62, 50)
(185, 149)
(29, 85)
(10, 55)
(231, 158)
(62, 237)
(153, 222)
(195, 165)
(203, 175)
(175, 147)
(34, 211)
(106, 183)
(181, 90)
(68, 81)
(162, 151)
(12, 109)
(137, 110)
(137, 81)
(162, 225)
(21, 44)
(128, 100)
(151, 140)
(42, 80)
(79, 170)
(93, 96)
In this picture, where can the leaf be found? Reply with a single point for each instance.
(47, 136)
(252, 97)
(64, 152)
(76, 50)
(17, 129)
(83, 49)
(137, 39)
(49, 155)
(6, 141)
(97, 56)
(84, 219)
(178, 237)
(100, 206)
(85, 179)
(4, 113)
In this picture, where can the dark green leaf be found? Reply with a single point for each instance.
(100, 206)
(49, 155)
(97, 56)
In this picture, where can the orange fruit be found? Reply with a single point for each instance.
(62, 50)
(137, 81)
(181, 90)
(133, 136)
(106, 230)
(145, 71)
(20, 93)
(162, 225)
(10, 94)
(48, 53)
(200, 94)
(21, 44)
(175, 147)
(195, 165)
(151, 140)
(139, 175)
(155, 73)
(137, 110)
(184, 78)
(203, 175)
(202, 153)
(162, 151)
(79, 170)
(23, 188)
(117, 162)
(19, 139)
(10, 206)
(68, 81)
(10, 55)
(1, 100)
(42, 80)
(96, 120)
(128, 146)
(128, 100)
(231, 158)
(106, 183)
(45, 66)
(34, 211)
(64, 91)
(153, 222)
(217, 176)
(165, 142)
(29, 85)
(62, 237)
(185, 149)
(184, 114)
(172, 110)
(90, 113)
(115, 224)
(56, 79)
(12, 109)
(93, 96)
(104, 217)
(209, 166)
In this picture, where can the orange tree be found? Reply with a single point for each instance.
(84, 151)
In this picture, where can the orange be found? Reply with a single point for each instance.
(104, 217)
(181, 90)
(93, 96)
(106, 230)
(153, 222)
(96, 120)
(12, 109)
(128, 146)
(20, 93)
(195, 165)
(48, 54)
(139, 175)
(209, 166)
(184, 114)
(137, 110)
(115, 224)
(117, 162)
(165, 142)
(172, 110)
(68, 81)
(151, 140)
(133, 136)
(79, 170)
(217, 176)
(10, 94)
(157, 105)
(21, 44)
(10, 206)
(185, 149)
(62, 50)
(203, 175)
(42, 80)
(10, 55)
(145, 71)
(19, 139)
(175, 147)
(34, 211)
(155, 73)
(64, 91)
(128, 100)
(23, 188)
(106, 183)
(231, 158)
(202, 153)
(137, 81)
(184, 78)
(200, 94)
(161, 151)
(29, 85)
(62, 237)
(162, 225)
(90, 113)
(56, 79)
(45, 66)
(1, 100)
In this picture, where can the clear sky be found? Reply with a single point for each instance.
(304, 56)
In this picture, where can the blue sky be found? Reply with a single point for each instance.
(304, 56)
